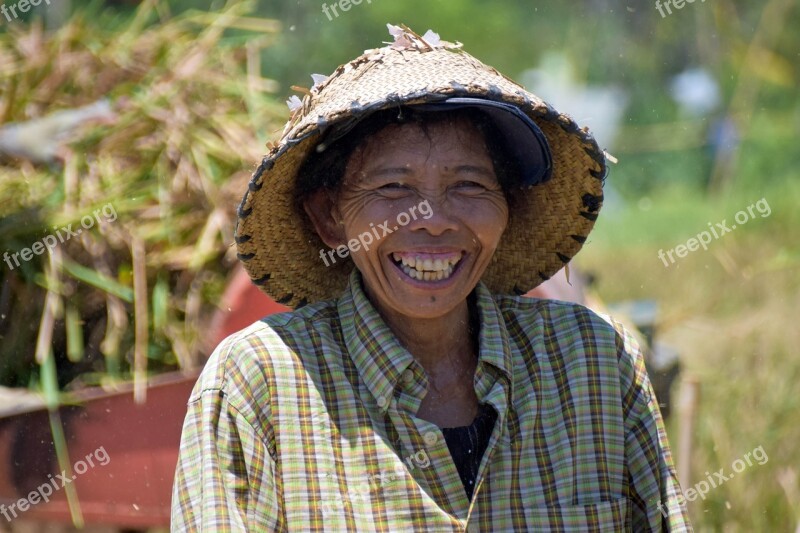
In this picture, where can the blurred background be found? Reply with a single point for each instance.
(161, 110)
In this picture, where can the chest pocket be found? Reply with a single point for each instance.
(604, 516)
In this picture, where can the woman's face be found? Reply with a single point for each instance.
(434, 209)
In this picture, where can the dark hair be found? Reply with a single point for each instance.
(325, 166)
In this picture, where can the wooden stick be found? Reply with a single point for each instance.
(688, 402)
(140, 318)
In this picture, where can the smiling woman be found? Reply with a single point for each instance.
(532, 414)
(445, 164)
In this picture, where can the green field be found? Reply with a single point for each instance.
(732, 313)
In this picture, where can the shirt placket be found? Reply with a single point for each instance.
(498, 397)
(417, 435)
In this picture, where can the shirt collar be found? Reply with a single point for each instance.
(381, 359)
(494, 345)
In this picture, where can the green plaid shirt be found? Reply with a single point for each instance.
(305, 421)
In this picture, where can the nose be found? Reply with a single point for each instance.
(433, 214)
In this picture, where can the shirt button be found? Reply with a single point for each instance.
(408, 376)
(430, 438)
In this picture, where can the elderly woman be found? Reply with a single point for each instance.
(414, 195)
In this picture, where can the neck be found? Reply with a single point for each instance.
(445, 346)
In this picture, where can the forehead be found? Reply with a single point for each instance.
(444, 137)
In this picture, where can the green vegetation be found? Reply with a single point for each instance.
(731, 313)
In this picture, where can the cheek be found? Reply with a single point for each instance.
(359, 210)
(487, 216)
(361, 220)
(490, 231)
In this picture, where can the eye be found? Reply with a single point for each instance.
(394, 190)
(467, 184)
(394, 185)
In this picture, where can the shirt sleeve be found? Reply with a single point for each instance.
(225, 478)
(654, 493)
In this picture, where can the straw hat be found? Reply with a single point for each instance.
(547, 227)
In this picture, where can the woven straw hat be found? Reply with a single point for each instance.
(547, 227)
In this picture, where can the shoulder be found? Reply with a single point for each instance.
(251, 356)
(567, 329)
(566, 319)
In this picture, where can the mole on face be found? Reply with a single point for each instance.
(433, 299)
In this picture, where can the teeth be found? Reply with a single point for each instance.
(426, 269)
(432, 265)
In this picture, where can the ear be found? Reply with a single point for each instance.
(320, 206)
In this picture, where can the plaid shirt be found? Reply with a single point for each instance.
(305, 421)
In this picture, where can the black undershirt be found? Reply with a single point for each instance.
(467, 445)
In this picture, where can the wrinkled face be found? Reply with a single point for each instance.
(432, 202)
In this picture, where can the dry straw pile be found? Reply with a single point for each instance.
(169, 138)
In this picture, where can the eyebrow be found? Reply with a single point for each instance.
(475, 169)
(405, 171)
(388, 171)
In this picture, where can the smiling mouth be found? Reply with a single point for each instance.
(427, 267)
